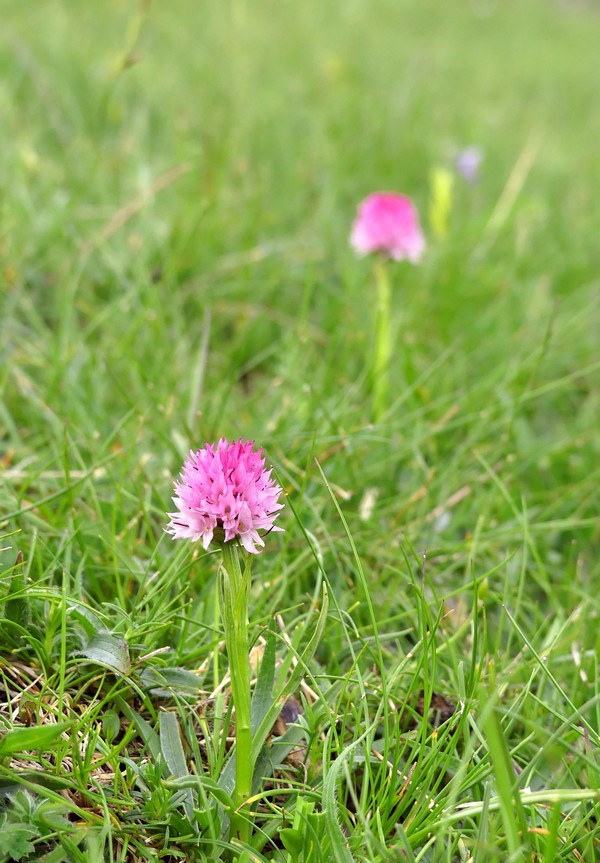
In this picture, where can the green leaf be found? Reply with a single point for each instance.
(221, 796)
(304, 840)
(15, 839)
(88, 619)
(111, 725)
(511, 808)
(293, 842)
(16, 607)
(165, 682)
(171, 746)
(172, 750)
(57, 855)
(339, 843)
(262, 697)
(272, 756)
(145, 730)
(107, 650)
(208, 821)
(291, 684)
(39, 737)
(207, 784)
(272, 705)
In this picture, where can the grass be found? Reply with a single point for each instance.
(177, 190)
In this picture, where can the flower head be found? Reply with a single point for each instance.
(225, 493)
(388, 223)
(468, 163)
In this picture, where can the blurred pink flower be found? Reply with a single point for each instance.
(225, 493)
(388, 223)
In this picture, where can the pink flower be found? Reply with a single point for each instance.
(225, 493)
(388, 223)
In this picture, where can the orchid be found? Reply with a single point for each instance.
(225, 493)
(225, 496)
(387, 224)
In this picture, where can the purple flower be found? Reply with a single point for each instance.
(468, 162)
(225, 493)
(388, 223)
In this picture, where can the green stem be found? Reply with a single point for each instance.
(235, 587)
(383, 347)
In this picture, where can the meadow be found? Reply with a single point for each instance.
(178, 184)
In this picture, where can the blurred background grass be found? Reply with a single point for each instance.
(163, 164)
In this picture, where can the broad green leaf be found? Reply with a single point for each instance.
(108, 650)
(15, 839)
(293, 842)
(272, 756)
(262, 697)
(39, 737)
(90, 622)
(111, 725)
(59, 855)
(172, 750)
(164, 682)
